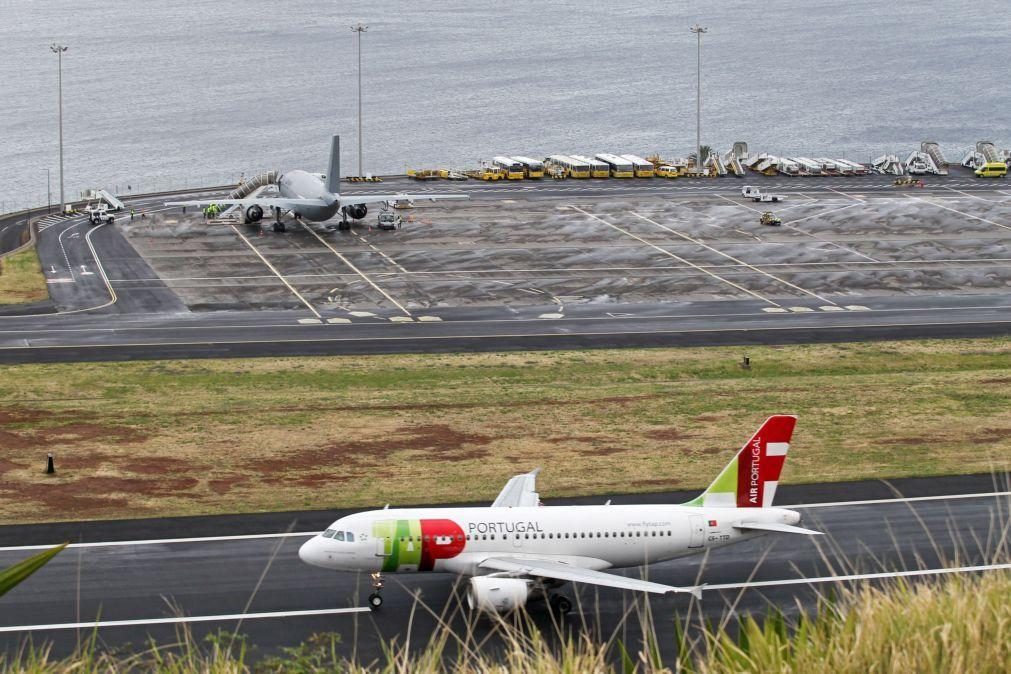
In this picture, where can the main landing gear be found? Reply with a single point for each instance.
(376, 599)
(278, 225)
(560, 603)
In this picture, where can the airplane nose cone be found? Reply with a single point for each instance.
(310, 553)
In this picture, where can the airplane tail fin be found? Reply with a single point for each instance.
(333, 169)
(750, 479)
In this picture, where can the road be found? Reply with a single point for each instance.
(130, 571)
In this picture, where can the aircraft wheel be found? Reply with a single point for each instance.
(279, 227)
(561, 603)
(375, 600)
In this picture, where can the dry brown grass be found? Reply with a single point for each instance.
(189, 437)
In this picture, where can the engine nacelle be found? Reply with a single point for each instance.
(497, 595)
(254, 213)
(356, 211)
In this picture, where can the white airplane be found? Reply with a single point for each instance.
(313, 196)
(516, 550)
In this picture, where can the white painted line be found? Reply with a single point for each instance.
(355, 269)
(338, 321)
(857, 307)
(737, 203)
(973, 196)
(60, 280)
(429, 319)
(955, 210)
(184, 619)
(835, 307)
(551, 316)
(856, 576)
(731, 257)
(800, 310)
(362, 314)
(818, 215)
(276, 273)
(676, 257)
(910, 499)
(775, 310)
(848, 196)
(401, 319)
(309, 321)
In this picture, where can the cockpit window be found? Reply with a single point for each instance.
(350, 537)
(329, 533)
(339, 536)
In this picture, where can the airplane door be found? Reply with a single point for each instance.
(381, 550)
(698, 531)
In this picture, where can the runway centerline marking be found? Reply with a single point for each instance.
(276, 273)
(731, 257)
(355, 269)
(676, 257)
(184, 619)
(308, 534)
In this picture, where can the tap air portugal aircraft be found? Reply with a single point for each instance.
(516, 549)
(313, 196)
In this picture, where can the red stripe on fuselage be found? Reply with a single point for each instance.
(440, 539)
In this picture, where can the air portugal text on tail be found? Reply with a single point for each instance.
(751, 477)
(517, 550)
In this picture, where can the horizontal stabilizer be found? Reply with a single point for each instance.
(773, 526)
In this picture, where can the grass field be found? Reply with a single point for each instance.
(21, 278)
(210, 436)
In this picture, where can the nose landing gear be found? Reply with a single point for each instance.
(376, 599)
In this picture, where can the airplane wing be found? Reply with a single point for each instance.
(356, 199)
(550, 569)
(520, 490)
(773, 526)
(277, 202)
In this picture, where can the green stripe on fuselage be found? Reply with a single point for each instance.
(402, 542)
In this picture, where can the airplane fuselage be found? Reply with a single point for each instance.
(457, 540)
(305, 185)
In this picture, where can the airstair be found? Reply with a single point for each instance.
(921, 163)
(732, 160)
(714, 165)
(111, 199)
(933, 150)
(973, 159)
(888, 164)
(247, 187)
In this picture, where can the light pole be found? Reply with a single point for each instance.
(698, 30)
(360, 28)
(49, 194)
(58, 49)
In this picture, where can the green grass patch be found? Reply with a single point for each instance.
(21, 278)
(210, 436)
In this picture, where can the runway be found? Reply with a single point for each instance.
(132, 575)
(621, 263)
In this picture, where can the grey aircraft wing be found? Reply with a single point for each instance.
(544, 568)
(276, 202)
(356, 199)
(520, 490)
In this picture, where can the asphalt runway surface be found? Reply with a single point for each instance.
(115, 296)
(218, 567)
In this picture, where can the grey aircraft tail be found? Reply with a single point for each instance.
(333, 171)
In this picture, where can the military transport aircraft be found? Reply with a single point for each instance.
(516, 549)
(313, 196)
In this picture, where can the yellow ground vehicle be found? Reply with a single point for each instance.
(770, 218)
(490, 173)
(643, 167)
(992, 169)
(511, 169)
(667, 172)
(572, 167)
(532, 168)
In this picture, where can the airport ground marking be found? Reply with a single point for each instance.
(676, 257)
(848, 196)
(66, 257)
(756, 584)
(737, 203)
(973, 196)
(183, 619)
(731, 257)
(276, 273)
(955, 210)
(309, 534)
(356, 269)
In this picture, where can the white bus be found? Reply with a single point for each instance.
(572, 167)
(620, 167)
(513, 169)
(598, 169)
(643, 168)
(531, 167)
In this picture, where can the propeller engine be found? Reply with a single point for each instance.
(253, 214)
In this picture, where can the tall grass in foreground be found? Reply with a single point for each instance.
(953, 623)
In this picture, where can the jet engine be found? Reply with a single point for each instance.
(253, 214)
(497, 595)
(356, 211)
